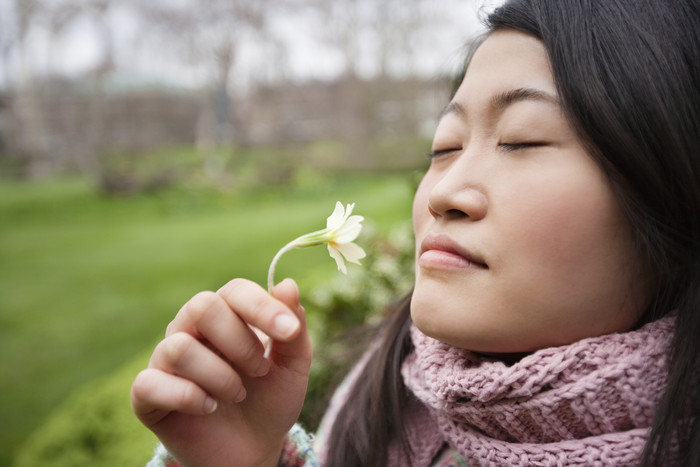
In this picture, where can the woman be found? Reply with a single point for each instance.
(556, 308)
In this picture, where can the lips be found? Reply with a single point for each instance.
(441, 251)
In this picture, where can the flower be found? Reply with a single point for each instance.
(341, 231)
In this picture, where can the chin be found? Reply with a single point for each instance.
(477, 337)
(433, 324)
(423, 314)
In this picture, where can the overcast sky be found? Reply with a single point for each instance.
(307, 56)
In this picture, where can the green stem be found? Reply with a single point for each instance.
(271, 272)
(310, 239)
(271, 283)
(305, 241)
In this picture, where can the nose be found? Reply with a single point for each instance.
(456, 195)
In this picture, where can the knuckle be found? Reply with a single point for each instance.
(201, 304)
(250, 302)
(234, 287)
(176, 348)
(143, 387)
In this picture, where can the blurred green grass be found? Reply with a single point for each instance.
(88, 281)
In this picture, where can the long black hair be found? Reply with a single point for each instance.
(628, 76)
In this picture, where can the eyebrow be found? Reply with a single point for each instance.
(501, 101)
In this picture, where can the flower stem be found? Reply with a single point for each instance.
(271, 272)
(271, 283)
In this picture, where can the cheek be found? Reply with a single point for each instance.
(565, 217)
(563, 231)
(574, 247)
(564, 235)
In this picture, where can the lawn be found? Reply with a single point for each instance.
(87, 282)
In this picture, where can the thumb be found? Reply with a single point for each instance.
(296, 352)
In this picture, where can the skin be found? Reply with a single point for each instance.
(211, 353)
(526, 244)
(525, 247)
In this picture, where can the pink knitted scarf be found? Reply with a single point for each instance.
(588, 403)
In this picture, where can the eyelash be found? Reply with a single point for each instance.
(508, 147)
(442, 152)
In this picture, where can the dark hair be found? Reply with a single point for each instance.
(372, 414)
(628, 76)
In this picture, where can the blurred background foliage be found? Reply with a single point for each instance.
(89, 281)
(150, 150)
(98, 318)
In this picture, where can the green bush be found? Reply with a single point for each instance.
(94, 426)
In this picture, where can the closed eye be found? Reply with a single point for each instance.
(516, 146)
(443, 152)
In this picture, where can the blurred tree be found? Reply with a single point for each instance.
(26, 103)
(381, 40)
(373, 50)
(211, 34)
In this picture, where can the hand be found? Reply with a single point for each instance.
(209, 394)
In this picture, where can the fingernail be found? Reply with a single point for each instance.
(210, 405)
(285, 325)
(240, 396)
(293, 283)
(263, 368)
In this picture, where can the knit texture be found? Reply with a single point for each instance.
(588, 403)
(298, 449)
(162, 458)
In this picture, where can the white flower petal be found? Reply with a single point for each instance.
(341, 230)
(335, 254)
(347, 234)
(337, 218)
(352, 252)
(352, 220)
(349, 223)
(348, 210)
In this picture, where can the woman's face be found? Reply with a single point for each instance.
(520, 241)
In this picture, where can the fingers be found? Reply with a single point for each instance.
(287, 292)
(258, 308)
(210, 346)
(155, 393)
(210, 350)
(207, 316)
(186, 357)
(225, 322)
(296, 354)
